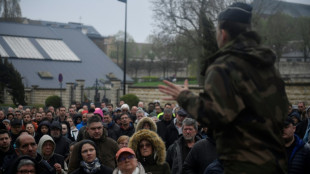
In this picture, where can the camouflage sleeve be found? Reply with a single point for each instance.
(220, 102)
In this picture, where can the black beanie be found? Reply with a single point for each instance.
(237, 12)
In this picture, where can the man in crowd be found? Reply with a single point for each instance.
(297, 151)
(62, 114)
(301, 107)
(6, 148)
(16, 128)
(26, 145)
(62, 143)
(240, 78)
(127, 127)
(174, 130)
(114, 130)
(164, 123)
(106, 146)
(177, 152)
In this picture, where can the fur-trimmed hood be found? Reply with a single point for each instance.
(146, 120)
(157, 143)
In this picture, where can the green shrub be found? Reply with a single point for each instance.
(150, 79)
(53, 101)
(130, 99)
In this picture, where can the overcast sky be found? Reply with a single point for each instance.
(107, 16)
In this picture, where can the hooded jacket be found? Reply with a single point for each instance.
(54, 157)
(148, 120)
(107, 149)
(156, 162)
(244, 101)
(39, 134)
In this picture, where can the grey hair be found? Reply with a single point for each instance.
(24, 162)
(140, 111)
(190, 122)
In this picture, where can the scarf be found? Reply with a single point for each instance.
(92, 167)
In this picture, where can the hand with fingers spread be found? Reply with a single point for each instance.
(172, 89)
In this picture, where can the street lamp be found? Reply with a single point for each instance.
(125, 47)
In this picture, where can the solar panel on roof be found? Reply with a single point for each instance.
(3, 52)
(57, 50)
(22, 47)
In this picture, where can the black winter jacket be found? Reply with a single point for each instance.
(202, 154)
(299, 159)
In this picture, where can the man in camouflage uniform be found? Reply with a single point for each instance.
(244, 98)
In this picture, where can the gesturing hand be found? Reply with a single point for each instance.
(172, 89)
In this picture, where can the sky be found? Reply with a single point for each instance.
(107, 16)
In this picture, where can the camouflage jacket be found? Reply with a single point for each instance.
(244, 102)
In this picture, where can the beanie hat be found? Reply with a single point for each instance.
(237, 12)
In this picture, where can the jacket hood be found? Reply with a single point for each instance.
(157, 143)
(43, 139)
(43, 123)
(99, 111)
(146, 120)
(55, 125)
(246, 46)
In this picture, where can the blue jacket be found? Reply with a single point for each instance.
(299, 160)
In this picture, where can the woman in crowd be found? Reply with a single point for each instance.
(146, 123)
(150, 150)
(122, 141)
(89, 163)
(127, 162)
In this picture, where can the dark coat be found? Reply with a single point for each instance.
(299, 160)
(62, 146)
(107, 149)
(103, 170)
(172, 134)
(162, 128)
(175, 155)
(114, 130)
(129, 132)
(202, 154)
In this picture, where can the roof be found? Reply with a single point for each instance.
(83, 60)
(269, 7)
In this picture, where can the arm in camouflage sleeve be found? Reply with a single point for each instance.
(220, 103)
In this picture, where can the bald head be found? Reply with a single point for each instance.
(26, 145)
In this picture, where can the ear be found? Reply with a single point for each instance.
(294, 128)
(224, 36)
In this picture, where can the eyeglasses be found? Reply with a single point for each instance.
(147, 145)
(123, 158)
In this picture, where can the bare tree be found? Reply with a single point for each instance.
(10, 10)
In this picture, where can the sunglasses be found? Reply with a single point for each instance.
(123, 158)
(148, 145)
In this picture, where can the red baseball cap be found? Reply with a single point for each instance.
(124, 149)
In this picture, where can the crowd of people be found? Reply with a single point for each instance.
(135, 139)
(123, 140)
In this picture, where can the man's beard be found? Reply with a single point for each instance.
(187, 138)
